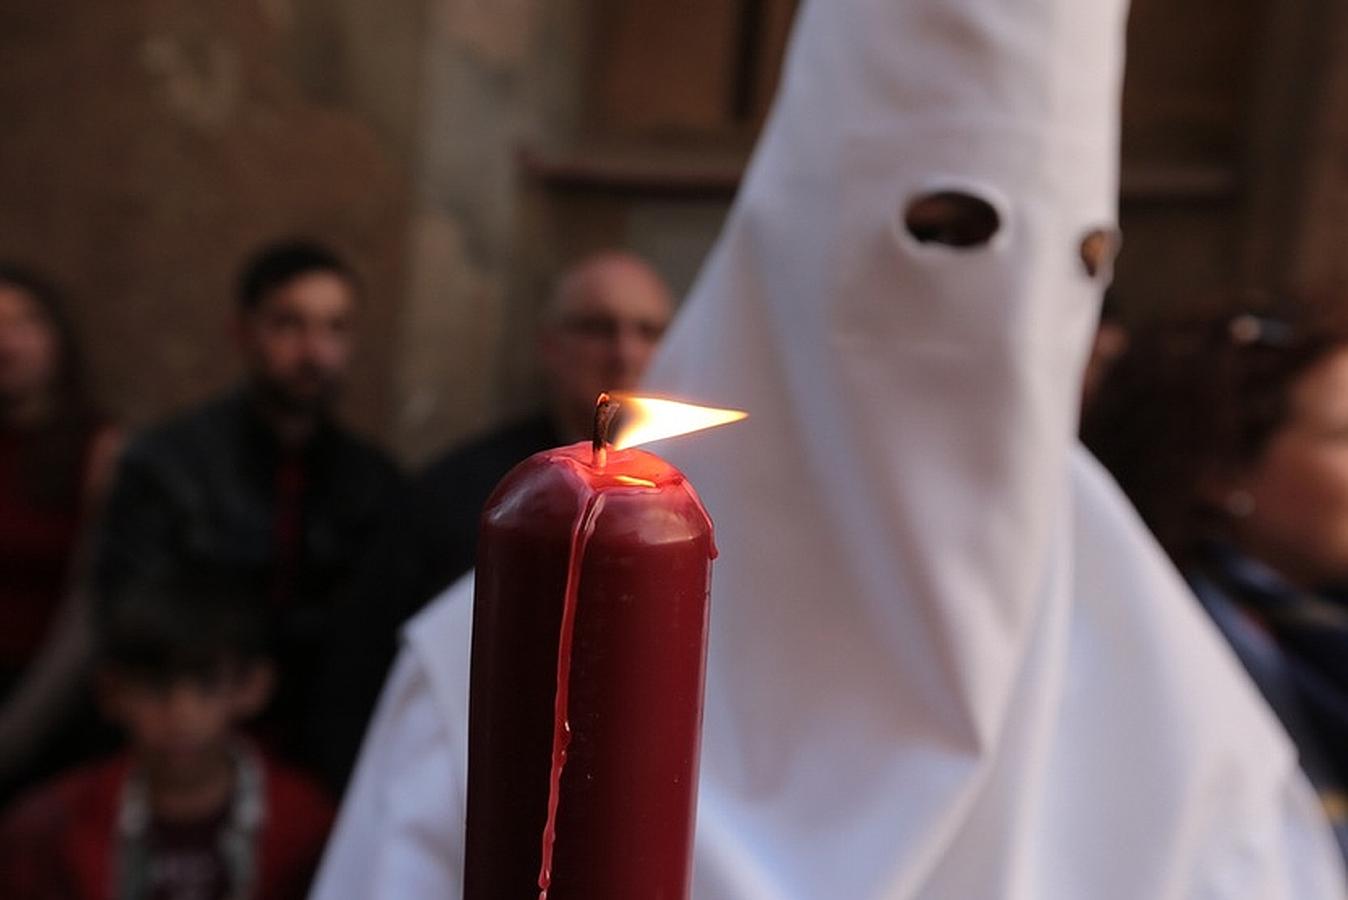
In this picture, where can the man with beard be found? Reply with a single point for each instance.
(262, 485)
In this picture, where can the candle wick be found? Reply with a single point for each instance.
(605, 409)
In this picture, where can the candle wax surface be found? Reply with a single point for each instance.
(589, 643)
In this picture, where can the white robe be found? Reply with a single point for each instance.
(946, 660)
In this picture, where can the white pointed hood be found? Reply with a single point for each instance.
(901, 597)
(912, 406)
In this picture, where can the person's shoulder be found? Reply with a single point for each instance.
(295, 799)
(80, 796)
(187, 433)
(371, 483)
(298, 817)
(359, 450)
(444, 613)
(107, 440)
(439, 638)
(497, 449)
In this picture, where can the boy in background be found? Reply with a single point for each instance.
(191, 810)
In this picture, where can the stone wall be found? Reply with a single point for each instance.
(497, 75)
(150, 145)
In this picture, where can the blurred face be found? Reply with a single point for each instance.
(298, 341)
(1299, 518)
(181, 728)
(28, 347)
(607, 322)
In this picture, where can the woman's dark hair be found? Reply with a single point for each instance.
(53, 463)
(1200, 398)
(50, 302)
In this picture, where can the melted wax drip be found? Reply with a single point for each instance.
(561, 726)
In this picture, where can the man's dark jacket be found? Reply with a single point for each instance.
(198, 494)
(445, 502)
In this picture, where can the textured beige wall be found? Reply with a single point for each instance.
(149, 145)
(495, 76)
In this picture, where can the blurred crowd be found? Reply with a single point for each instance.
(196, 618)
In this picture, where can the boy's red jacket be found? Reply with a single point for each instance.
(60, 842)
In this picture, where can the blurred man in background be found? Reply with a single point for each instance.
(262, 484)
(600, 329)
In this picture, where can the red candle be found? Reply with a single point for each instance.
(589, 646)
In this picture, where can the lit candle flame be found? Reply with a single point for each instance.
(652, 419)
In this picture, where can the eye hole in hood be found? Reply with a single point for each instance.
(953, 218)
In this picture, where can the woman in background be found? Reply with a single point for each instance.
(56, 457)
(1230, 435)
